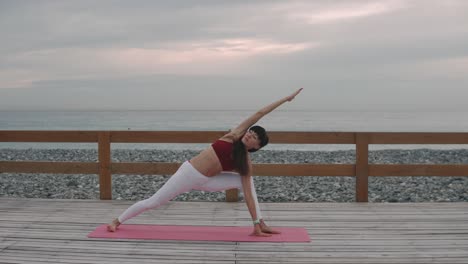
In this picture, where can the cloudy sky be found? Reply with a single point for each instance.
(348, 55)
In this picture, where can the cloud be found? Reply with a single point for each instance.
(199, 55)
(17, 78)
(449, 69)
(343, 48)
(333, 12)
(208, 57)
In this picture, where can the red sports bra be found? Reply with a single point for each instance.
(223, 150)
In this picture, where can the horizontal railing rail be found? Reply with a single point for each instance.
(361, 169)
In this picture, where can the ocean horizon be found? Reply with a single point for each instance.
(214, 120)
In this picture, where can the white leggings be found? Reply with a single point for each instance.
(187, 178)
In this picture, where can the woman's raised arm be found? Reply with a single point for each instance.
(242, 128)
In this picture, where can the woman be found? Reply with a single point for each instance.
(224, 165)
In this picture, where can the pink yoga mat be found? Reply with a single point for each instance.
(199, 233)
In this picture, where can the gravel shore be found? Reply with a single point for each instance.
(269, 189)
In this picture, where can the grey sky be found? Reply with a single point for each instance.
(348, 55)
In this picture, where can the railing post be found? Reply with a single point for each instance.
(232, 195)
(105, 180)
(362, 167)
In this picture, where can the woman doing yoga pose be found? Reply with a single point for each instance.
(224, 165)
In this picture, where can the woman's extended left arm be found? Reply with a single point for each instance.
(242, 128)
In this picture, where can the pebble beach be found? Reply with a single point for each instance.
(269, 189)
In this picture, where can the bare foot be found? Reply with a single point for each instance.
(113, 226)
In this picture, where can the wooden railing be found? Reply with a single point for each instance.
(361, 169)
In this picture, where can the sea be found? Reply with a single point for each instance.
(210, 120)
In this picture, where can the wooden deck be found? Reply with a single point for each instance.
(54, 231)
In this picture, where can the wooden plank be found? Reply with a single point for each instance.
(278, 137)
(49, 167)
(263, 169)
(105, 180)
(232, 195)
(362, 167)
(417, 138)
(47, 136)
(417, 170)
(165, 136)
(260, 169)
(145, 168)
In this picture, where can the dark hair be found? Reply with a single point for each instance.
(262, 136)
(239, 155)
(239, 152)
